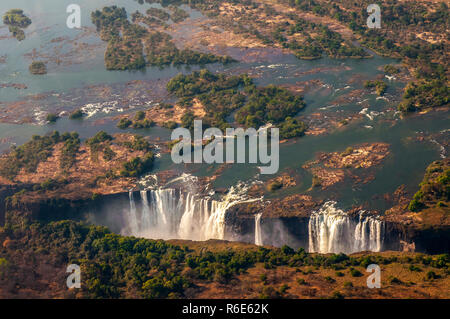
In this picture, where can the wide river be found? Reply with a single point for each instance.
(75, 67)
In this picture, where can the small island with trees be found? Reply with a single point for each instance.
(219, 101)
(17, 21)
(128, 41)
(38, 68)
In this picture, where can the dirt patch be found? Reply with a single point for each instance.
(162, 116)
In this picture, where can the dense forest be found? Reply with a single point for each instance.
(221, 95)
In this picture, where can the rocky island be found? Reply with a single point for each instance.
(38, 68)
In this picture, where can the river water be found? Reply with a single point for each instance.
(76, 73)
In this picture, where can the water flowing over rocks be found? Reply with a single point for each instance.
(186, 213)
(175, 214)
(331, 230)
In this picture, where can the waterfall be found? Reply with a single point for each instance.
(258, 235)
(170, 213)
(331, 230)
(147, 218)
(132, 216)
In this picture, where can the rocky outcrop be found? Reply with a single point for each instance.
(409, 237)
(282, 223)
(101, 208)
(275, 231)
(329, 169)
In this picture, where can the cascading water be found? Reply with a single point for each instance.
(170, 213)
(331, 230)
(132, 216)
(258, 234)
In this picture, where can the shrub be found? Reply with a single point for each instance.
(70, 149)
(124, 123)
(4, 265)
(100, 137)
(348, 151)
(431, 275)
(187, 120)
(16, 17)
(287, 250)
(51, 117)
(337, 295)
(77, 114)
(137, 166)
(145, 123)
(18, 33)
(95, 196)
(355, 272)
(329, 279)
(38, 68)
(380, 86)
(170, 125)
(301, 281)
(108, 154)
(390, 69)
(263, 278)
(139, 143)
(284, 288)
(441, 204)
(268, 292)
(394, 280)
(291, 128)
(415, 205)
(100, 142)
(140, 115)
(275, 185)
(414, 268)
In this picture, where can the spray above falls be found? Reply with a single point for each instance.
(331, 230)
(175, 214)
(258, 234)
